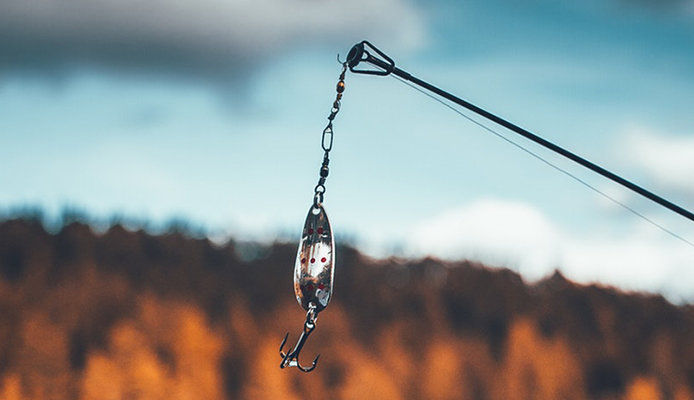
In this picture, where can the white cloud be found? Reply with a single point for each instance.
(667, 158)
(493, 231)
(208, 37)
(643, 260)
(518, 236)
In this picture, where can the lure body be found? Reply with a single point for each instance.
(315, 261)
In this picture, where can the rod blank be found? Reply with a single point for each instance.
(360, 54)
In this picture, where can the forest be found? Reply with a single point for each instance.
(128, 314)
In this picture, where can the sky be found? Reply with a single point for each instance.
(212, 111)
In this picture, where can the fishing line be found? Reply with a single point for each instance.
(366, 53)
(545, 161)
(314, 268)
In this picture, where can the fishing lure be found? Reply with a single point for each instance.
(315, 261)
(314, 268)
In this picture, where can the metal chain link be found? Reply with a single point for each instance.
(327, 140)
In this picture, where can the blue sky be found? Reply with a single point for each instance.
(212, 111)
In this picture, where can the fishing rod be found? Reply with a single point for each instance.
(365, 52)
(314, 266)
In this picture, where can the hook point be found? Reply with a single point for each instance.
(291, 358)
(284, 341)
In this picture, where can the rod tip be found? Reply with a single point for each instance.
(355, 54)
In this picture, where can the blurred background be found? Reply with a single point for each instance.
(158, 160)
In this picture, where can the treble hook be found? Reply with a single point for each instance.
(291, 359)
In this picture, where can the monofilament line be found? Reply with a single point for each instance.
(547, 162)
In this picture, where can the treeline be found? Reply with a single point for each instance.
(130, 315)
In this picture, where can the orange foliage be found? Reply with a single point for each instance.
(127, 315)
(643, 388)
(539, 368)
(11, 388)
(131, 368)
(442, 371)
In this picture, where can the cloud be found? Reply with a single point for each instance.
(518, 236)
(203, 39)
(667, 158)
(493, 231)
(644, 259)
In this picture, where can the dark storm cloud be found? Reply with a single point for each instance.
(201, 39)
